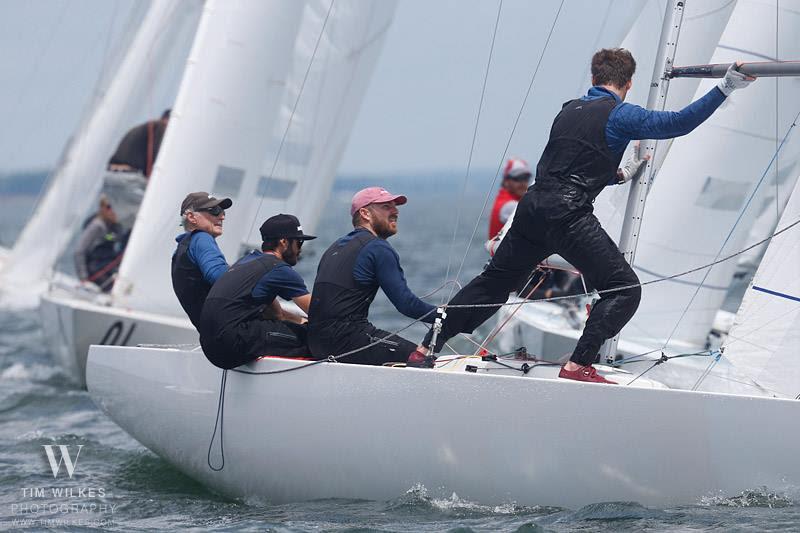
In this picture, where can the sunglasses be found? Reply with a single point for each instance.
(299, 243)
(213, 211)
(106, 206)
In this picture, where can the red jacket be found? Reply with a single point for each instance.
(503, 197)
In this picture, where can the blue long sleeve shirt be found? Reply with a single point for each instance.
(379, 264)
(204, 252)
(281, 281)
(629, 122)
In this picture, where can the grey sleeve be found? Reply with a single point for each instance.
(92, 234)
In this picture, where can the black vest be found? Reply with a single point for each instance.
(577, 154)
(187, 281)
(336, 295)
(230, 302)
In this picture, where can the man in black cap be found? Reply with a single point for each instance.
(198, 262)
(242, 319)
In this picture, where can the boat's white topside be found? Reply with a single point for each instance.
(352, 431)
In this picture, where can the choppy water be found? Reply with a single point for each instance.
(127, 488)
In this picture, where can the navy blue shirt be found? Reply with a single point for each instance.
(204, 252)
(629, 121)
(281, 281)
(379, 264)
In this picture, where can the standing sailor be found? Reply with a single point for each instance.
(198, 262)
(516, 178)
(582, 156)
(348, 277)
(242, 319)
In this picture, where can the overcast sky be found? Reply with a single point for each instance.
(419, 112)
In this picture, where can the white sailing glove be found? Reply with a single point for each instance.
(632, 166)
(734, 80)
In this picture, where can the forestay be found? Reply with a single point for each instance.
(763, 347)
(122, 93)
(318, 111)
(222, 120)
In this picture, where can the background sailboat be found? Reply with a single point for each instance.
(135, 76)
(226, 135)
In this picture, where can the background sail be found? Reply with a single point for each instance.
(122, 95)
(709, 175)
(763, 347)
(297, 176)
(223, 117)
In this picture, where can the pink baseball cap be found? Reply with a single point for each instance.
(374, 195)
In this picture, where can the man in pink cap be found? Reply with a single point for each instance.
(348, 277)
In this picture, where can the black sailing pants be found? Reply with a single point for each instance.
(341, 336)
(540, 229)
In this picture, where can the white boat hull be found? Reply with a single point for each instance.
(351, 431)
(71, 324)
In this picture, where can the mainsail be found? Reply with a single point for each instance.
(78, 179)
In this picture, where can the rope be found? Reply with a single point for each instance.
(472, 147)
(219, 420)
(508, 143)
(291, 116)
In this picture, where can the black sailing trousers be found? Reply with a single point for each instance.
(336, 337)
(546, 223)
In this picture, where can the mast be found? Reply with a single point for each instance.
(656, 100)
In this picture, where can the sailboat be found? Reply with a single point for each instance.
(332, 430)
(244, 125)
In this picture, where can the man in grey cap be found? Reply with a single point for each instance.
(242, 319)
(198, 262)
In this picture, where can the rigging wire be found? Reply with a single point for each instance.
(508, 143)
(291, 115)
(472, 147)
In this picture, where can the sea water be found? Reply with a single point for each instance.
(118, 485)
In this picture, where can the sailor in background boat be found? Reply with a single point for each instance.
(198, 262)
(516, 178)
(348, 277)
(587, 140)
(242, 319)
(99, 250)
(138, 149)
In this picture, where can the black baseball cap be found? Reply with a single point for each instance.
(203, 200)
(283, 227)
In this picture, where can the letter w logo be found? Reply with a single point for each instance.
(55, 466)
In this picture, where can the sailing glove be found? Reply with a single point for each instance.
(734, 80)
(632, 166)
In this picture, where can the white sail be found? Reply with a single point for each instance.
(763, 347)
(223, 117)
(79, 176)
(297, 175)
(708, 177)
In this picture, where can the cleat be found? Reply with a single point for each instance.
(586, 373)
(420, 360)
